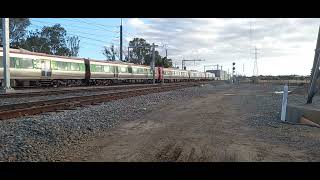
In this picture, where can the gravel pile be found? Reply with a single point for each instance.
(44, 137)
(265, 119)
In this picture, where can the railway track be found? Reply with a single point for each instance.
(78, 90)
(38, 107)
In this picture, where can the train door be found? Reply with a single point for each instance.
(116, 72)
(160, 73)
(46, 68)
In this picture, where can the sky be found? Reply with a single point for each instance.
(284, 46)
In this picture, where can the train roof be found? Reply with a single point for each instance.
(24, 51)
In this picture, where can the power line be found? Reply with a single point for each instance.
(84, 37)
(68, 30)
(104, 25)
(89, 23)
(74, 26)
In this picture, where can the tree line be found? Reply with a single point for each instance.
(54, 40)
(49, 39)
(141, 53)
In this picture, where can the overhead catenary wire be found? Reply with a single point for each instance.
(104, 25)
(98, 40)
(89, 28)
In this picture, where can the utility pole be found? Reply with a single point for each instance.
(6, 55)
(255, 69)
(162, 81)
(153, 64)
(243, 69)
(128, 54)
(121, 40)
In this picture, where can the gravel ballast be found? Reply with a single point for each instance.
(47, 136)
(43, 137)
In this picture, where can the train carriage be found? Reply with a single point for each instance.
(28, 68)
(210, 76)
(38, 69)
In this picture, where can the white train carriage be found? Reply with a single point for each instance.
(111, 72)
(202, 75)
(174, 75)
(28, 68)
(194, 75)
(183, 75)
(210, 76)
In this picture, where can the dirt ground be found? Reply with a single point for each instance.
(213, 127)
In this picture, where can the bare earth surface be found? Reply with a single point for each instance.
(233, 123)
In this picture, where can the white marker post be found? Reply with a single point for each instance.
(284, 103)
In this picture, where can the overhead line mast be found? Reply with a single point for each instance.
(121, 40)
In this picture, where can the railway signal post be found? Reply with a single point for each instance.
(6, 56)
(233, 72)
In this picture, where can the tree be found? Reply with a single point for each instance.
(73, 44)
(35, 43)
(55, 37)
(110, 53)
(17, 30)
(143, 54)
(52, 40)
(165, 62)
(141, 51)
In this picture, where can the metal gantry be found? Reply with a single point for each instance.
(194, 60)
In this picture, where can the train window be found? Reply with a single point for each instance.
(99, 68)
(123, 69)
(92, 68)
(134, 70)
(37, 63)
(63, 66)
(140, 71)
(129, 69)
(54, 65)
(74, 67)
(106, 68)
(82, 67)
(12, 61)
(112, 69)
(24, 63)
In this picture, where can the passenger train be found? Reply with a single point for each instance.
(39, 69)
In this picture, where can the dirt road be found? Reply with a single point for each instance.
(234, 123)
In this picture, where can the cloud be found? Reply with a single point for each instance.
(222, 41)
(135, 22)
